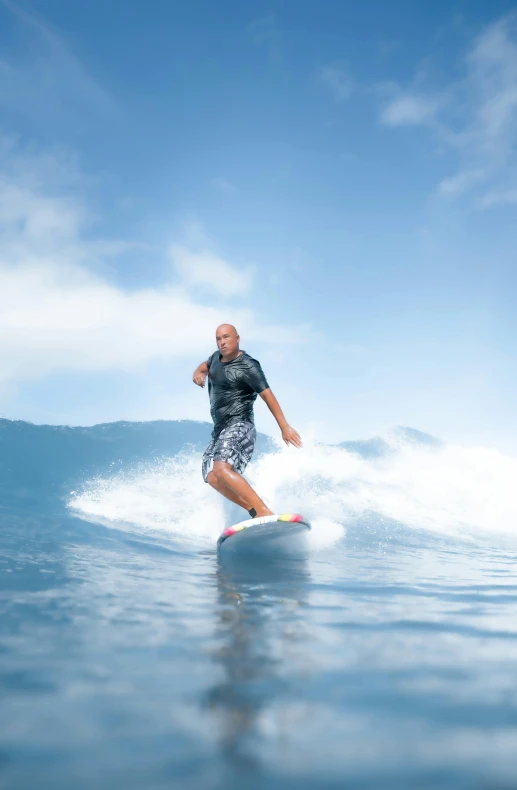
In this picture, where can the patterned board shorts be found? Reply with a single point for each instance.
(235, 445)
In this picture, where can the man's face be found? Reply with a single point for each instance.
(227, 340)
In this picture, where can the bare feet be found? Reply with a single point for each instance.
(264, 512)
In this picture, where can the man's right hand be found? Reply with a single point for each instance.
(199, 378)
(290, 436)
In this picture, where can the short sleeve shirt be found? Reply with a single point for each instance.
(233, 387)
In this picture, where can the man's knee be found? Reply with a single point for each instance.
(211, 479)
(221, 469)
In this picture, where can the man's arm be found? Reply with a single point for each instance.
(200, 374)
(289, 435)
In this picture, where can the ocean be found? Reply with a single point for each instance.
(383, 656)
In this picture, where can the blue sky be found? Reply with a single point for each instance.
(339, 179)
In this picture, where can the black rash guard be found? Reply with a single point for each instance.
(233, 388)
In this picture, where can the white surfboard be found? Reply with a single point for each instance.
(278, 533)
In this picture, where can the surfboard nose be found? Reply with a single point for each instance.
(255, 525)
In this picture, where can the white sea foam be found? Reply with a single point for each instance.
(445, 489)
(167, 495)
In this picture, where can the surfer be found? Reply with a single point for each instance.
(234, 380)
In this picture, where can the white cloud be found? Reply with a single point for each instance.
(476, 116)
(60, 312)
(408, 110)
(205, 269)
(62, 317)
(337, 80)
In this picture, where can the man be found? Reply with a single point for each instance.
(234, 380)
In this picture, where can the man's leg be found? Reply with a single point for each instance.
(243, 494)
(225, 491)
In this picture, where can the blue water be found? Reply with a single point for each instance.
(383, 657)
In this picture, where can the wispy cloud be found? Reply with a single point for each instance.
(500, 196)
(41, 78)
(266, 33)
(461, 182)
(337, 80)
(409, 110)
(204, 269)
(476, 116)
(224, 186)
(59, 309)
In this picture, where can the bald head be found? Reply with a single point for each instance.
(226, 328)
(227, 341)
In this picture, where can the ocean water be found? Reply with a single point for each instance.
(383, 656)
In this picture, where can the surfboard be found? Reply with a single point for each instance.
(278, 532)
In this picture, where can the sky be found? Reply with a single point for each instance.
(338, 179)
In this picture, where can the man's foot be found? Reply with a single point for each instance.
(263, 512)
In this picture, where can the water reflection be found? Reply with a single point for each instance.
(260, 638)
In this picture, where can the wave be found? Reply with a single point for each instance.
(404, 478)
(148, 475)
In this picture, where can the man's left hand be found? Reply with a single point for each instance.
(290, 436)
